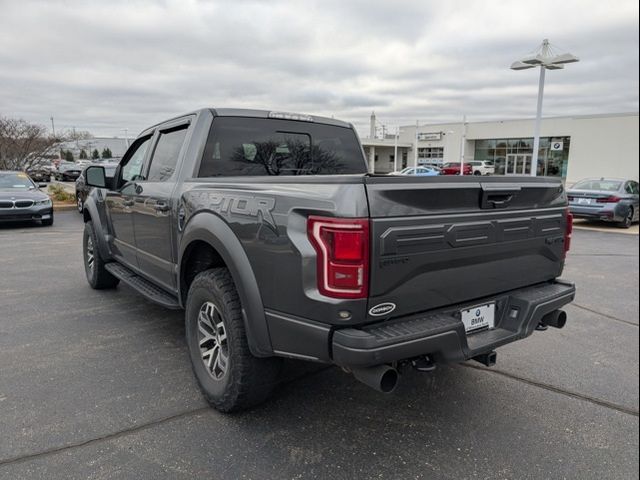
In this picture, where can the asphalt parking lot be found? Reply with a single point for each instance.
(98, 385)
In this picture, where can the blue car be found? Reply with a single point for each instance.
(419, 171)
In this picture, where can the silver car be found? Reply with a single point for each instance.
(607, 199)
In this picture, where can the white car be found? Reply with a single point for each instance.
(482, 167)
(420, 171)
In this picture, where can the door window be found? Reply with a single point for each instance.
(165, 156)
(133, 165)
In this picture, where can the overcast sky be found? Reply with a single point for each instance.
(108, 65)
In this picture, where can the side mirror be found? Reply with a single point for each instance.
(95, 177)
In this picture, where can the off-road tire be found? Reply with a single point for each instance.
(97, 276)
(248, 380)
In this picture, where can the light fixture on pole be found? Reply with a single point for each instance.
(547, 59)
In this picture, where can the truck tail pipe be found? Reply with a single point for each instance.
(557, 319)
(383, 378)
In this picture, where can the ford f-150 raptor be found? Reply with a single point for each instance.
(266, 228)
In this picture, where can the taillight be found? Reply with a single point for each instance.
(342, 246)
(567, 233)
(610, 199)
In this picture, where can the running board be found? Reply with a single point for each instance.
(143, 286)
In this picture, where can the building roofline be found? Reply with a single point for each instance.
(577, 117)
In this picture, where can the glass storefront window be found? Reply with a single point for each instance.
(504, 152)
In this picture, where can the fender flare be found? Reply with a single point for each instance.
(91, 210)
(201, 227)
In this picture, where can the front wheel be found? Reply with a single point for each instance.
(230, 377)
(47, 222)
(97, 276)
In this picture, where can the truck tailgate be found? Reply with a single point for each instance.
(438, 241)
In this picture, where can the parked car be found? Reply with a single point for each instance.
(67, 171)
(22, 200)
(82, 189)
(453, 168)
(607, 199)
(84, 162)
(419, 171)
(40, 173)
(276, 249)
(482, 167)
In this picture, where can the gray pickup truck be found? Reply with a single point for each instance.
(266, 228)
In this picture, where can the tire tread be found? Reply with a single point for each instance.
(252, 378)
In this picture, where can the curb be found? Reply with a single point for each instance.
(605, 230)
(63, 207)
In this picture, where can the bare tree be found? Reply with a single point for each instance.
(24, 145)
(75, 135)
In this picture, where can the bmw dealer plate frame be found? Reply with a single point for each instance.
(480, 317)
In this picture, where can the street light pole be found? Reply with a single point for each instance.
(536, 130)
(545, 58)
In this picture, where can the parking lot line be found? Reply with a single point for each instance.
(562, 391)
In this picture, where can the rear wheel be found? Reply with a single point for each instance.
(230, 377)
(97, 276)
(628, 220)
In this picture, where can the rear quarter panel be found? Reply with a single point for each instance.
(269, 217)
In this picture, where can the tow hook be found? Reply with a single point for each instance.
(487, 359)
(423, 364)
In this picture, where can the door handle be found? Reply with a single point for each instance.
(162, 207)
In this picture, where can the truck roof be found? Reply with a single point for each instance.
(247, 112)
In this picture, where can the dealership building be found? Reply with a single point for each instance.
(571, 147)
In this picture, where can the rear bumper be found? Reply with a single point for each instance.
(606, 213)
(441, 334)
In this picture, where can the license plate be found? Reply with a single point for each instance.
(477, 318)
(584, 201)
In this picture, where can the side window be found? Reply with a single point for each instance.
(634, 188)
(132, 169)
(165, 156)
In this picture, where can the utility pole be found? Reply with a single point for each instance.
(463, 141)
(395, 150)
(415, 149)
(53, 127)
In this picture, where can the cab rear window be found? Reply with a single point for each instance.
(240, 146)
